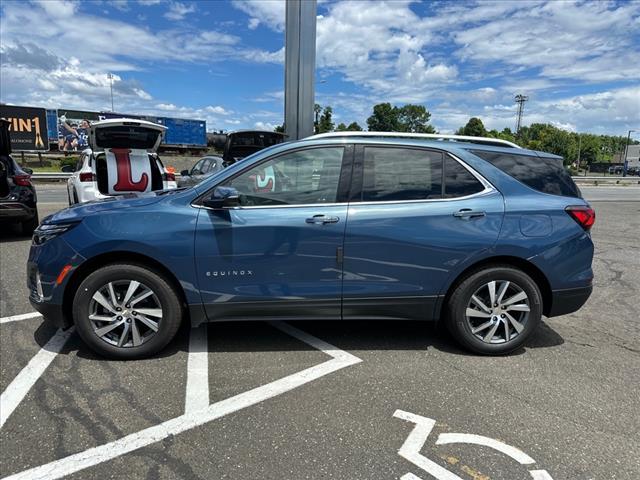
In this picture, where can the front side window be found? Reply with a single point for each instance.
(392, 174)
(195, 170)
(296, 178)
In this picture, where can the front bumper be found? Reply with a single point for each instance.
(568, 300)
(44, 266)
(52, 313)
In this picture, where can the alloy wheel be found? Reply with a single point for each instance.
(125, 313)
(498, 311)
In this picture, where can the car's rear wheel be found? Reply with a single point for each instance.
(30, 225)
(126, 311)
(494, 310)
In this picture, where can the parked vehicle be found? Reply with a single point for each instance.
(139, 170)
(358, 225)
(616, 170)
(243, 143)
(203, 168)
(18, 199)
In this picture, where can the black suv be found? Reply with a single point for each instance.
(17, 194)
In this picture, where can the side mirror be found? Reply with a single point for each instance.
(223, 197)
(184, 173)
(28, 170)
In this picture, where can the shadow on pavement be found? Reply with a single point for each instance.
(347, 335)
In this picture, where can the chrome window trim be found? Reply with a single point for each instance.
(488, 188)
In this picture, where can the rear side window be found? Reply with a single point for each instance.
(546, 175)
(458, 181)
(401, 174)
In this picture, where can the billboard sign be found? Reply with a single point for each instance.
(27, 127)
(73, 129)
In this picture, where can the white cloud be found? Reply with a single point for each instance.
(264, 126)
(268, 12)
(177, 11)
(218, 110)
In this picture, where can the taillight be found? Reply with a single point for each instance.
(585, 216)
(22, 180)
(169, 177)
(87, 177)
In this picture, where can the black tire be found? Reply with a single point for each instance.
(165, 293)
(30, 225)
(456, 318)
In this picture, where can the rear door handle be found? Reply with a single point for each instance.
(466, 213)
(322, 219)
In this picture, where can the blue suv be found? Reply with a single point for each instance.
(479, 233)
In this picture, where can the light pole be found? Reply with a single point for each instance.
(626, 148)
(110, 77)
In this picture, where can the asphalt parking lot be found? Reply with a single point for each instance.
(342, 400)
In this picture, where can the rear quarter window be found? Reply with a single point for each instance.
(544, 174)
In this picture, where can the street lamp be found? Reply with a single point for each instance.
(626, 149)
(110, 77)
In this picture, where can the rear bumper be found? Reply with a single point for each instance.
(16, 211)
(569, 300)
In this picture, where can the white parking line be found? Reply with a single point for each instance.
(540, 475)
(16, 318)
(88, 458)
(197, 394)
(23, 382)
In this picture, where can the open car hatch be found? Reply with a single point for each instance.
(123, 155)
(126, 133)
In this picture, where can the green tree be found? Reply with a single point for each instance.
(341, 127)
(474, 128)
(415, 119)
(408, 118)
(383, 119)
(325, 124)
(354, 127)
(279, 128)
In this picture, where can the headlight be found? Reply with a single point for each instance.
(48, 231)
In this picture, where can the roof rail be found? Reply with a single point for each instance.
(496, 142)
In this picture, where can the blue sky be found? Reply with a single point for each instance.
(223, 60)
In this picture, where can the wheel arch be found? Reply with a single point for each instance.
(505, 260)
(131, 258)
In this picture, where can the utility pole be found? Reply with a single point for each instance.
(579, 147)
(520, 100)
(110, 77)
(299, 68)
(626, 149)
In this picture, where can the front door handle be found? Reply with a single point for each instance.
(467, 213)
(322, 219)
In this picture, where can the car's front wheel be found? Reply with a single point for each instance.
(494, 310)
(126, 311)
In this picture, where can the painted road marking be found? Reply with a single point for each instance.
(16, 318)
(411, 447)
(94, 456)
(20, 386)
(518, 455)
(197, 394)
